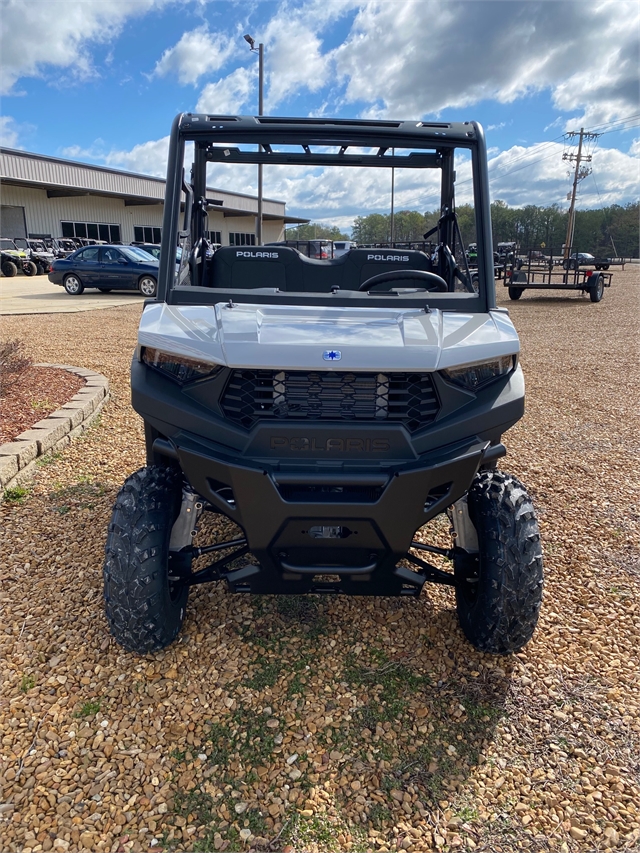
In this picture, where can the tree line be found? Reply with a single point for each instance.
(608, 231)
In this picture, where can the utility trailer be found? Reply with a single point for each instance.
(537, 273)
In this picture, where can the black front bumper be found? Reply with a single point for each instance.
(355, 526)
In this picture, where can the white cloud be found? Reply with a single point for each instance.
(148, 158)
(538, 175)
(419, 57)
(293, 58)
(198, 52)
(231, 93)
(9, 132)
(39, 33)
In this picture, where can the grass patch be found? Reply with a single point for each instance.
(375, 712)
(178, 755)
(246, 734)
(87, 432)
(15, 494)
(42, 404)
(265, 676)
(467, 813)
(301, 673)
(82, 495)
(253, 741)
(390, 683)
(303, 612)
(200, 809)
(379, 815)
(318, 829)
(88, 709)
(196, 803)
(219, 738)
(49, 458)
(27, 683)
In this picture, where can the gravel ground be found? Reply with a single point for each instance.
(343, 724)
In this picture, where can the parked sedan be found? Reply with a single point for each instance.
(578, 259)
(106, 268)
(153, 249)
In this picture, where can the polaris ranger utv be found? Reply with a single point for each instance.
(330, 408)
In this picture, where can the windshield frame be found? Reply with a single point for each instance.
(432, 145)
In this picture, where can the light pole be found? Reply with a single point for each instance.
(393, 187)
(260, 51)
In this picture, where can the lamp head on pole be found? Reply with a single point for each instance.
(250, 41)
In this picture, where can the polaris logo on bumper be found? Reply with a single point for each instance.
(332, 355)
(329, 445)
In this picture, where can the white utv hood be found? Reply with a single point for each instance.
(298, 338)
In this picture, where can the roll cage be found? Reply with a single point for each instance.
(305, 142)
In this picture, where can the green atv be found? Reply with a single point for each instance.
(13, 259)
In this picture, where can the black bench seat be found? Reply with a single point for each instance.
(282, 267)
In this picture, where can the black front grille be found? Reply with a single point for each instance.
(256, 395)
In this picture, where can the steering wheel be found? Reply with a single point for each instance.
(428, 280)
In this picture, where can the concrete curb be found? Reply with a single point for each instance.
(18, 458)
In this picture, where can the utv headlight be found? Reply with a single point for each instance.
(177, 367)
(474, 376)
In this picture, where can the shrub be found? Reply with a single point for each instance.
(13, 363)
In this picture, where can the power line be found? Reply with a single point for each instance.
(619, 129)
(544, 145)
(614, 122)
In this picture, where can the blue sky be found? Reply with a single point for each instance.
(100, 81)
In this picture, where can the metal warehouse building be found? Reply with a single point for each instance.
(49, 197)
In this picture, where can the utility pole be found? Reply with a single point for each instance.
(580, 173)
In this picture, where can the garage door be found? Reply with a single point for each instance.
(12, 222)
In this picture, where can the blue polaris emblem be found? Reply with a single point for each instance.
(332, 355)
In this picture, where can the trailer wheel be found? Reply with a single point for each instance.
(596, 289)
(9, 269)
(499, 603)
(145, 610)
(515, 292)
(30, 268)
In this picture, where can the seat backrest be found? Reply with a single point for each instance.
(320, 276)
(363, 264)
(245, 267)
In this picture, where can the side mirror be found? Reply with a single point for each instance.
(122, 260)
